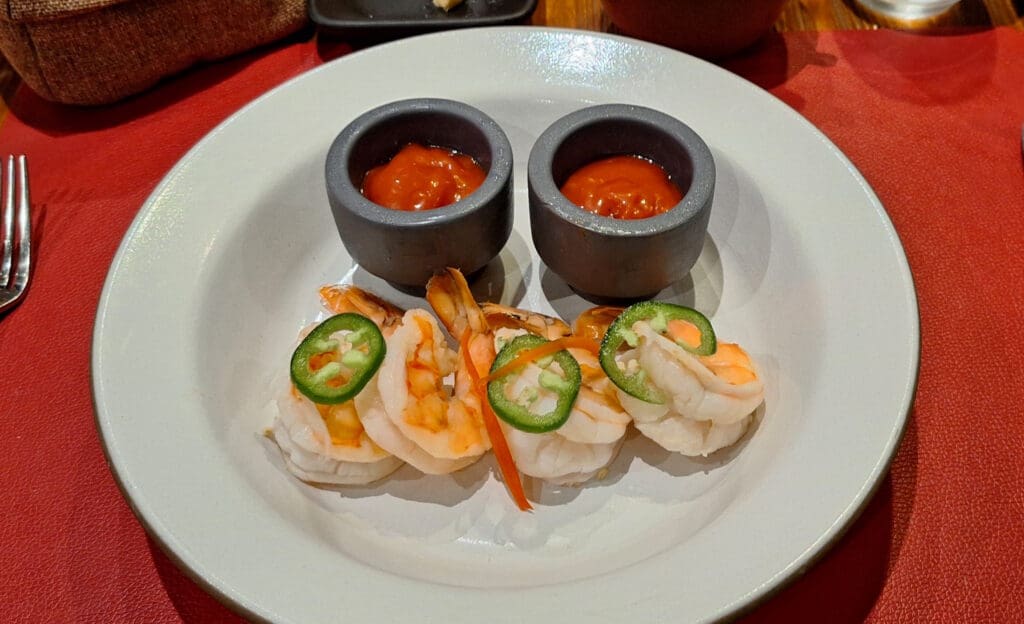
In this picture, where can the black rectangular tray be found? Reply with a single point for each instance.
(383, 19)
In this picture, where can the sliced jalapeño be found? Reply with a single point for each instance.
(540, 406)
(336, 360)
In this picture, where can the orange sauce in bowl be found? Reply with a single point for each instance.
(622, 187)
(422, 178)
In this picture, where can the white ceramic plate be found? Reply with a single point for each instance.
(220, 270)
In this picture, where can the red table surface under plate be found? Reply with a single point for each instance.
(934, 124)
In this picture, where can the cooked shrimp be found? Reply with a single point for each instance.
(587, 442)
(406, 409)
(709, 399)
(590, 439)
(414, 414)
(597, 416)
(450, 297)
(548, 456)
(328, 443)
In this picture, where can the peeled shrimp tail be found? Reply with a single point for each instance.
(594, 323)
(449, 295)
(340, 299)
(505, 317)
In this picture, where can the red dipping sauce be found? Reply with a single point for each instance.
(623, 187)
(422, 178)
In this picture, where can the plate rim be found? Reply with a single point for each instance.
(744, 604)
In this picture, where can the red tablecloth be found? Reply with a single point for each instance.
(934, 124)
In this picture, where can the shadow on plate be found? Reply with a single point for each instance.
(449, 490)
(406, 483)
(678, 465)
(637, 446)
(543, 493)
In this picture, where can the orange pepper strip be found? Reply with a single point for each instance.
(507, 465)
(529, 355)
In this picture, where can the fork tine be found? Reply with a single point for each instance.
(7, 236)
(24, 266)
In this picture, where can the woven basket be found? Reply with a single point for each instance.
(100, 51)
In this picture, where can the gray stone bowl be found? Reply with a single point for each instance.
(405, 248)
(617, 258)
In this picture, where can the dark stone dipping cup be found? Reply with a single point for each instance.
(406, 247)
(618, 258)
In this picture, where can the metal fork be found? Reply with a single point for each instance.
(12, 287)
